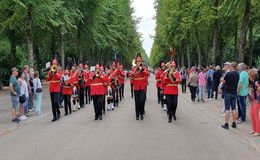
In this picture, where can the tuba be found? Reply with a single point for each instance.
(97, 72)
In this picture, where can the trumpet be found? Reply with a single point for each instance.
(54, 69)
(97, 72)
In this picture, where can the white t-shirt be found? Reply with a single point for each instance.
(37, 84)
(24, 87)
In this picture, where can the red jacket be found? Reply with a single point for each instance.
(158, 77)
(97, 85)
(68, 87)
(139, 79)
(87, 76)
(170, 87)
(121, 76)
(54, 82)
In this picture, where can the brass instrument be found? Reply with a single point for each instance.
(98, 72)
(54, 68)
(134, 63)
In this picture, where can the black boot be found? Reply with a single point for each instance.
(170, 119)
(234, 125)
(137, 117)
(142, 117)
(225, 126)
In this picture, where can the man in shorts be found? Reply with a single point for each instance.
(230, 95)
(14, 93)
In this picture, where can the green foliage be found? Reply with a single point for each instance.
(96, 28)
(181, 22)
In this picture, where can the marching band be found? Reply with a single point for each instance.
(81, 85)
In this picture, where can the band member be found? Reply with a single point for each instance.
(170, 82)
(158, 76)
(105, 89)
(87, 75)
(67, 84)
(113, 81)
(121, 80)
(54, 78)
(131, 85)
(139, 72)
(97, 84)
(81, 86)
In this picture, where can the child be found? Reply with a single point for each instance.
(75, 98)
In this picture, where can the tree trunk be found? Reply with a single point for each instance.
(79, 46)
(182, 54)
(235, 42)
(62, 52)
(30, 37)
(53, 51)
(251, 41)
(188, 55)
(215, 46)
(198, 47)
(12, 38)
(243, 31)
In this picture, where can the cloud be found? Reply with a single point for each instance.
(144, 9)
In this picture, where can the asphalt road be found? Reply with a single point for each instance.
(194, 136)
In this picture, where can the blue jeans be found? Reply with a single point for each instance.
(201, 92)
(230, 101)
(38, 102)
(242, 102)
(26, 103)
(210, 84)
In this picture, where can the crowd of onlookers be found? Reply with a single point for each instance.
(25, 93)
(238, 85)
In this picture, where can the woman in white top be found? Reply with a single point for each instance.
(24, 94)
(38, 92)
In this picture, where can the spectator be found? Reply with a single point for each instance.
(31, 93)
(216, 80)
(24, 94)
(209, 75)
(38, 92)
(230, 88)
(183, 79)
(14, 93)
(226, 70)
(255, 101)
(202, 84)
(193, 84)
(242, 91)
(27, 79)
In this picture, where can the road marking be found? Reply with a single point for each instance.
(4, 133)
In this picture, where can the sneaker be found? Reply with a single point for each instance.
(165, 108)
(225, 126)
(16, 120)
(234, 125)
(24, 117)
(21, 118)
(240, 121)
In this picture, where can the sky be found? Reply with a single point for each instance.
(144, 9)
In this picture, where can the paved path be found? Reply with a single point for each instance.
(194, 136)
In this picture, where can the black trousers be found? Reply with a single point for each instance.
(132, 90)
(214, 89)
(81, 97)
(193, 93)
(104, 103)
(183, 85)
(159, 94)
(115, 97)
(97, 101)
(55, 104)
(172, 101)
(139, 102)
(67, 103)
(121, 91)
(88, 97)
